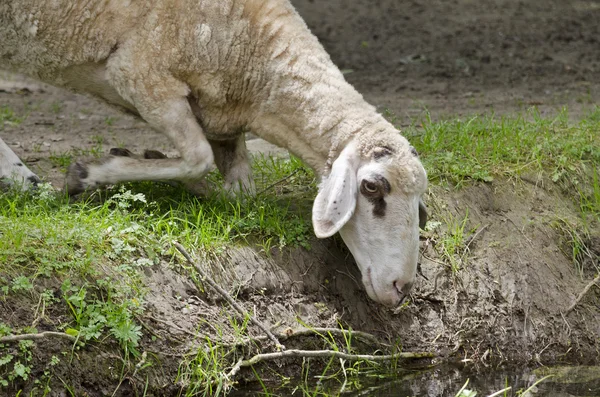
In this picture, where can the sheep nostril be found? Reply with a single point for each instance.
(403, 289)
(407, 288)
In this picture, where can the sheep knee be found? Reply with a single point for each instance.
(197, 162)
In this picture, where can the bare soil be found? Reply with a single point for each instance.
(457, 57)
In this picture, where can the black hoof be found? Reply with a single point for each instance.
(75, 174)
(120, 152)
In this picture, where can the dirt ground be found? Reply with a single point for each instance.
(451, 57)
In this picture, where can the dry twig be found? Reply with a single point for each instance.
(335, 331)
(582, 294)
(472, 238)
(272, 185)
(332, 353)
(228, 297)
(41, 335)
(236, 368)
(322, 354)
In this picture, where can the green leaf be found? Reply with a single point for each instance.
(6, 359)
(71, 331)
(21, 370)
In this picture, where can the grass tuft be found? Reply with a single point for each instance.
(481, 148)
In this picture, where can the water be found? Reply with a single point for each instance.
(443, 381)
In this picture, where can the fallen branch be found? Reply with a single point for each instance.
(285, 335)
(582, 294)
(332, 354)
(322, 354)
(236, 368)
(41, 335)
(228, 297)
(335, 331)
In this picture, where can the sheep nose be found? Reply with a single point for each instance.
(403, 289)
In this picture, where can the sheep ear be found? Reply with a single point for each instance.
(336, 200)
(422, 214)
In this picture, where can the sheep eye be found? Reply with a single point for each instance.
(370, 187)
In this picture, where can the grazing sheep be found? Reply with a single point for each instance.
(204, 71)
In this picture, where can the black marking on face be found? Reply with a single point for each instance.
(18, 164)
(375, 189)
(414, 151)
(379, 205)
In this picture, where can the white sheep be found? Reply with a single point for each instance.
(204, 71)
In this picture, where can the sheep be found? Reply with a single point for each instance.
(203, 72)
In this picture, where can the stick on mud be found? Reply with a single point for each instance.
(595, 281)
(333, 353)
(41, 335)
(228, 297)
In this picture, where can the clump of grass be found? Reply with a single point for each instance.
(452, 243)
(64, 159)
(8, 116)
(576, 245)
(481, 148)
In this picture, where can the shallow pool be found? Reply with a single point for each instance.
(447, 380)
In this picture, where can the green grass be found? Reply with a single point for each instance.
(7, 116)
(482, 148)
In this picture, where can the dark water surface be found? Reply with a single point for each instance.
(442, 381)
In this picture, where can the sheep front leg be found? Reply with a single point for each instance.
(175, 119)
(13, 170)
(232, 160)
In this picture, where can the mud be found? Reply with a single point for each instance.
(507, 302)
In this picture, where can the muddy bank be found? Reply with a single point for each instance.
(503, 300)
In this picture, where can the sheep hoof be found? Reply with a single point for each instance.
(76, 173)
(117, 151)
(148, 154)
(154, 154)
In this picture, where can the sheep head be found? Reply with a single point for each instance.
(372, 196)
